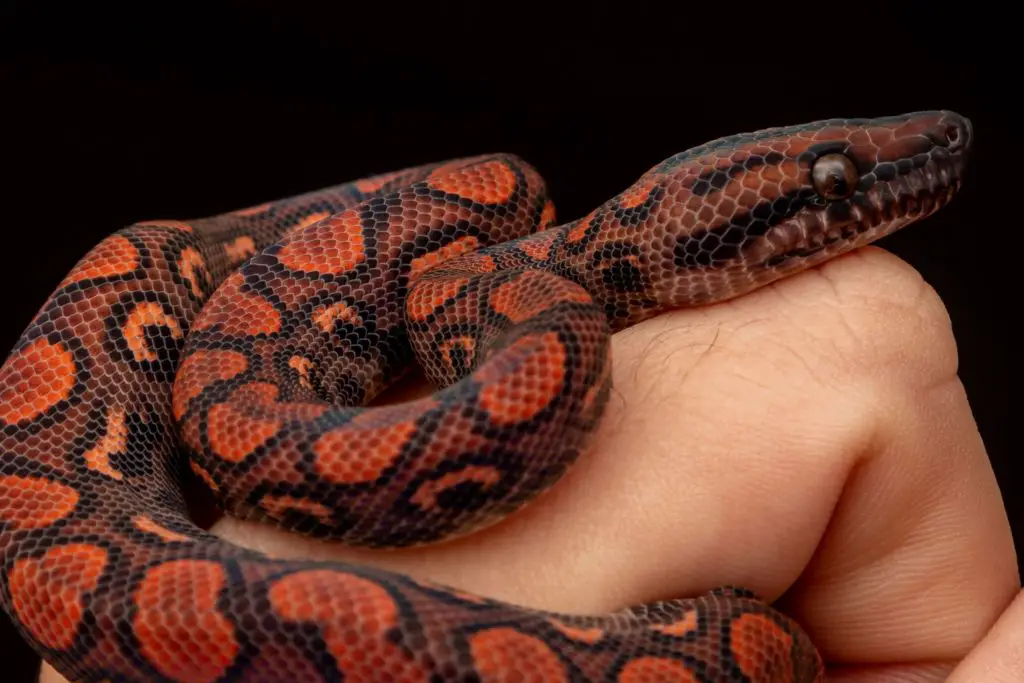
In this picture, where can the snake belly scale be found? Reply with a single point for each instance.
(241, 350)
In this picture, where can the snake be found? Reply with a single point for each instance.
(242, 353)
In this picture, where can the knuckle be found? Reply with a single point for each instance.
(895, 325)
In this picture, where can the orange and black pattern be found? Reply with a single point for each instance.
(242, 350)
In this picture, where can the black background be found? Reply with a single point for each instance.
(116, 114)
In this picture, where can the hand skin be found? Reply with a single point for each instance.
(810, 441)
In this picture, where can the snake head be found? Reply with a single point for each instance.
(745, 210)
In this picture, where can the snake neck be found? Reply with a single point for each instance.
(742, 212)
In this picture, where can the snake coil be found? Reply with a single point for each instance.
(242, 350)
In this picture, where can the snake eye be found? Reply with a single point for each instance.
(835, 176)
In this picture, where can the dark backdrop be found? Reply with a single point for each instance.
(115, 114)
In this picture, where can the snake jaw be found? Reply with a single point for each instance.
(743, 211)
(927, 176)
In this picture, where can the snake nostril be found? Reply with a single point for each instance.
(957, 134)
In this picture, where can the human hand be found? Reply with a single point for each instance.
(810, 441)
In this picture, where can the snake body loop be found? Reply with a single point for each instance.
(243, 350)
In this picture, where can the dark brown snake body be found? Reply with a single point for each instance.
(252, 341)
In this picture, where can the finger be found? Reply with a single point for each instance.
(737, 431)
(891, 673)
(734, 433)
(999, 658)
(659, 505)
(678, 492)
(918, 561)
(699, 474)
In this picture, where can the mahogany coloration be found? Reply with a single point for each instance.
(246, 346)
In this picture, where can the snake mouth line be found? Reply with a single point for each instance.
(867, 216)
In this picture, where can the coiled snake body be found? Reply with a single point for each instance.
(252, 341)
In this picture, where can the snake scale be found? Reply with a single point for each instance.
(241, 351)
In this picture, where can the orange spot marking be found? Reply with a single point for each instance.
(302, 366)
(309, 220)
(683, 627)
(253, 210)
(637, 194)
(179, 629)
(146, 314)
(481, 263)
(368, 185)
(491, 182)
(538, 245)
(189, 265)
(250, 417)
(532, 293)
(115, 440)
(579, 230)
(115, 255)
(448, 346)
(34, 502)
(584, 635)
(498, 652)
(34, 380)
(762, 648)
(331, 246)
(547, 215)
(46, 592)
(656, 669)
(204, 475)
(426, 495)
(148, 525)
(431, 295)
(280, 506)
(200, 370)
(239, 313)
(232, 429)
(523, 379)
(325, 316)
(462, 245)
(355, 616)
(240, 249)
(371, 442)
